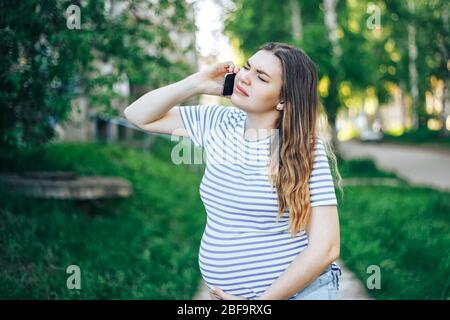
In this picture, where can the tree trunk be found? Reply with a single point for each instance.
(296, 20)
(412, 67)
(403, 104)
(445, 97)
(331, 24)
(332, 99)
(445, 113)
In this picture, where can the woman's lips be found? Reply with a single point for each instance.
(240, 90)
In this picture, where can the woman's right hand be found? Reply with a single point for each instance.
(211, 80)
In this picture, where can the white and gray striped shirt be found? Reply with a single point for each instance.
(243, 249)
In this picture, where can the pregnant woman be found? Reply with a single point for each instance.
(272, 229)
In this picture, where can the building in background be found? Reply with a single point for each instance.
(86, 123)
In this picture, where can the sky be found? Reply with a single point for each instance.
(209, 21)
(210, 38)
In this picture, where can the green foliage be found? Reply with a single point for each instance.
(254, 22)
(421, 136)
(146, 247)
(362, 168)
(404, 230)
(45, 65)
(37, 83)
(371, 58)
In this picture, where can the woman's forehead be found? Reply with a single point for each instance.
(268, 62)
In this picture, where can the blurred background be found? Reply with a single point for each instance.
(93, 191)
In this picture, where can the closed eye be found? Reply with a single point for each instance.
(246, 68)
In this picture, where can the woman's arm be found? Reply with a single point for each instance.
(323, 248)
(155, 104)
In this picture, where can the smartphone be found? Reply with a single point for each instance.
(228, 84)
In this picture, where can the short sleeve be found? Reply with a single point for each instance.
(321, 184)
(199, 120)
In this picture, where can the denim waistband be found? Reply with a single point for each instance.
(335, 272)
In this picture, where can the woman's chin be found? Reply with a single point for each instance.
(237, 103)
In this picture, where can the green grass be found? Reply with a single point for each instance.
(403, 230)
(144, 247)
(362, 168)
(422, 136)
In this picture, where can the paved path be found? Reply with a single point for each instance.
(426, 166)
(350, 287)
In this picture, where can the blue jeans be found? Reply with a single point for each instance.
(324, 287)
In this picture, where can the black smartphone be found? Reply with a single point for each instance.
(228, 84)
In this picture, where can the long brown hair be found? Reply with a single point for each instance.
(298, 127)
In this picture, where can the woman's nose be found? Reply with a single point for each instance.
(244, 77)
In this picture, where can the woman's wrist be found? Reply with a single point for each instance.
(193, 84)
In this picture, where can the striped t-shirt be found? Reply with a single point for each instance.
(243, 248)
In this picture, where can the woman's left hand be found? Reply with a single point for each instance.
(218, 294)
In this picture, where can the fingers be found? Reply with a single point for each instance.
(230, 67)
(234, 69)
(221, 295)
(214, 296)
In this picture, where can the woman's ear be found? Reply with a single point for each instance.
(280, 106)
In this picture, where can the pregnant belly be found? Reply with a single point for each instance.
(246, 264)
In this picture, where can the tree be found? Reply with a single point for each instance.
(355, 56)
(45, 64)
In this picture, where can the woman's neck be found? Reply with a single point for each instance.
(258, 126)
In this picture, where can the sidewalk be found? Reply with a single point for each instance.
(418, 165)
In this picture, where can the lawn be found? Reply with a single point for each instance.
(146, 247)
(422, 136)
(404, 230)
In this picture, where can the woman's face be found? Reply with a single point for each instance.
(263, 86)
